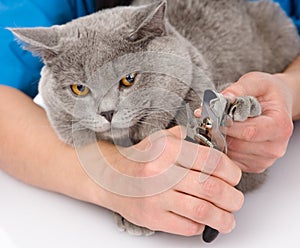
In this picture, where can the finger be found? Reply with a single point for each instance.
(197, 112)
(255, 84)
(260, 129)
(213, 190)
(202, 212)
(251, 163)
(177, 131)
(209, 161)
(177, 224)
(268, 149)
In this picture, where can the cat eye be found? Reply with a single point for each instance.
(80, 90)
(128, 80)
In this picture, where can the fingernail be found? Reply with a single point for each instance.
(234, 225)
(197, 112)
(229, 95)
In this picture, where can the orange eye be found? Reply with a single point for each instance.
(129, 80)
(80, 90)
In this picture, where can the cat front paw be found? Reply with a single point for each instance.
(126, 226)
(245, 107)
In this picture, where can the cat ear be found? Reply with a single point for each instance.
(40, 41)
(151, 21)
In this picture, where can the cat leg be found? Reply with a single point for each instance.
(126, 226)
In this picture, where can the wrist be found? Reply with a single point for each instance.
(72, 179)
(293, 87)
(80, 185)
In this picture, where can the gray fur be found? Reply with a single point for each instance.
(194, 44)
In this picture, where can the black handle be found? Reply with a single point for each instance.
(209, 234)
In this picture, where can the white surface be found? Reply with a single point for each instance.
(33, 218)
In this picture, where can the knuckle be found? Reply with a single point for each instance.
(249, 133)
(270, 153)
(276, 152)
(211, 187)
(145, 171)
(148, 170)
(249, 76)
(281, 153)
(201, 212)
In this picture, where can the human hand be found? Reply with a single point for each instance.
(191, 201)
(258, 142)
(183, 208)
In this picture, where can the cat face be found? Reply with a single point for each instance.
(119, 74)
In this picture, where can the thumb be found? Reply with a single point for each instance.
(178, 131)
(254, 84)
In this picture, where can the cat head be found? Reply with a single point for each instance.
(119, 74)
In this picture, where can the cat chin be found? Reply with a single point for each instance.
(118, 137)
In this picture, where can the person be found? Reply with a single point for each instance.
(31, 152)
(258, 143)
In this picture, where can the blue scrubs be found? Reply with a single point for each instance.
(18, 68)
(292, 8)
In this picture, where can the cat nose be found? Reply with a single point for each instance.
(108, 115)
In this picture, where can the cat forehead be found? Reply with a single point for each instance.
(95, 39)
(101, 35)
(89, 52)
(105, 21)
(91, 42)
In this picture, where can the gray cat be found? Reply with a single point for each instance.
(122, 73)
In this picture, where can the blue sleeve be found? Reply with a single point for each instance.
(292, 8)
(18, 68)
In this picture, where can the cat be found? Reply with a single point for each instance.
(122, 73)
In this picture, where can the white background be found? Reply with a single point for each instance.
(33, 218)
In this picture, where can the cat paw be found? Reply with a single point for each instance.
(126, 226)
(245, 107)
(251, 181)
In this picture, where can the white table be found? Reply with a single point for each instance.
(33, 218)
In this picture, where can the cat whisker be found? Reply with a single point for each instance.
(142, 123)
(157, 115)
(161, 109)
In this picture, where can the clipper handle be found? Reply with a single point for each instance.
(209, 234)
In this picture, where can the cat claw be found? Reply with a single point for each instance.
(132, 229)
